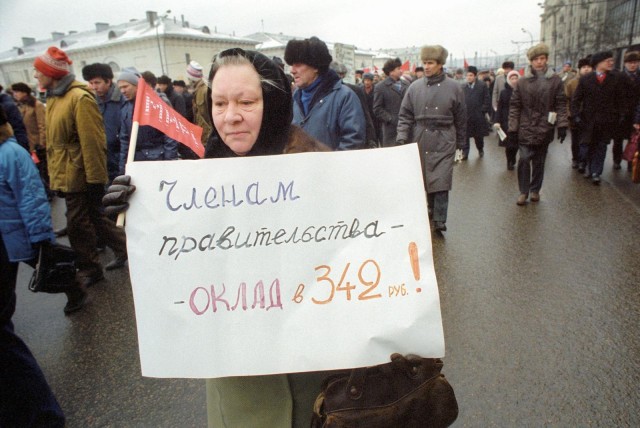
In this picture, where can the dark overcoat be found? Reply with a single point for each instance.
(386, 105)
(478, 104)
(599, 106)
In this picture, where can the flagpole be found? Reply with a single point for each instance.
(130, 156)
(134, 136)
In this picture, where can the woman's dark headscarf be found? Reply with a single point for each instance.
(277, 112)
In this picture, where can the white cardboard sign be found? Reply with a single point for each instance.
(280, 264)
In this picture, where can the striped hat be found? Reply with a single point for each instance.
(53, 63)
(194, 71)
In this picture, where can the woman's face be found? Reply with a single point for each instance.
(513, 79)
(237, 106)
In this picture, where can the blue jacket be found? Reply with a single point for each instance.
(335, 115)
(25, 216)
(151, 144)
(110, 107)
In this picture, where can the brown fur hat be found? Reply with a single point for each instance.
(632, 56)
(434, 53)
(312, 52)
(537, 50)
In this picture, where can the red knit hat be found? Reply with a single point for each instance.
(53, 63)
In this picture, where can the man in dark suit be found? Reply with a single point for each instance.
(387, 98)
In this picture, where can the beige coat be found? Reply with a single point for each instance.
(33, 117)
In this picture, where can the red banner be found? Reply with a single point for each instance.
(405, 66)
(151, 110)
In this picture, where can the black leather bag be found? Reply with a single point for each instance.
(408, 392)
(55, 269)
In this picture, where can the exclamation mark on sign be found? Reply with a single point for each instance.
(415, 264)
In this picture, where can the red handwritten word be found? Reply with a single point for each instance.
(203, 299)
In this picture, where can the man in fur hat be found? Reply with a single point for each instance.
(387, 97)
(537, 106)
(77, 157)
(323, 106)
(433, 113)
(598, 106)
(631, 82)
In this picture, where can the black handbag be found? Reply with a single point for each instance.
(55, 270)
(408, 392)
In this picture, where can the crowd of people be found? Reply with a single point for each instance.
(80, 143)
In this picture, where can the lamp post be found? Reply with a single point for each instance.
(530, 35)
(158, 22)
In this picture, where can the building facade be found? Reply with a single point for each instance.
(159, 44)
(574, 29)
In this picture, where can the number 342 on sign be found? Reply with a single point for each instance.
(328, 286)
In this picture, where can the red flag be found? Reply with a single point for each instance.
(151, 110)
(521, 71)
(366, 70)
(405, 66)
(466, 64)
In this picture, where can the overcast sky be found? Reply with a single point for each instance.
(463, 27)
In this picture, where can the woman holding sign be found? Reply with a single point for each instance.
(252, 111)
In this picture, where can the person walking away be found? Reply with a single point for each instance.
(598, 106)
(502, 118)
(584, 68)
(323, 106)
(537, 106)
(387, 98)
(77, 155)
(476, 96)
(433, 113)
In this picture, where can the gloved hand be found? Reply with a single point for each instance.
(513, 137)
(496, 126)
(116, 199)
(401, 142)
(562, 134)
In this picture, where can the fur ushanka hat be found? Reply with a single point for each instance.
(312, 52)
(632, 56)
(584, 61)
(537, 50)
(434, 53)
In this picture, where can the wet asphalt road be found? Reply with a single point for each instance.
(540, 304)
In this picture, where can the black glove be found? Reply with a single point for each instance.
(115, 200)
(513, 137)
(562, 133)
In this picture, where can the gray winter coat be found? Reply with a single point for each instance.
(433, 113)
